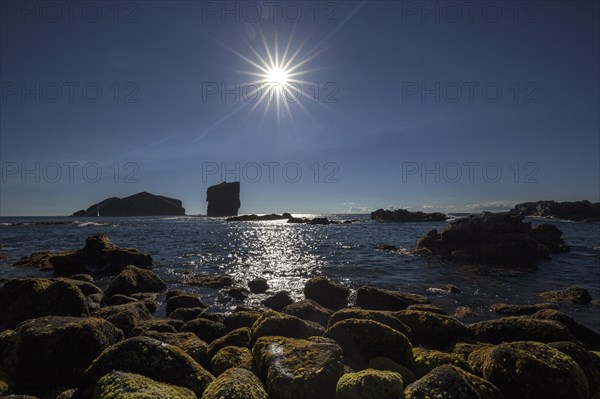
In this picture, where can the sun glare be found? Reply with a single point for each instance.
(277, 77)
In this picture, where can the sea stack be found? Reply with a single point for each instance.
(223, 199)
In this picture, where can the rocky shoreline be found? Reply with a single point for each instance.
(67, 337)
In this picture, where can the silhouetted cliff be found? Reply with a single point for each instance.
(223, 199)
(140, 204)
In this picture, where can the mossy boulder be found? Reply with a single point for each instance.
(516, 328)
(48, 353)
(235, 383)
(153, 359)
(383, 317)
(117, 299)
(243, 318)
(278, 301)
(362, 340)
(432, 329)
(450, 382)
(29, 298)
(133, 279)
(588, 337)
(273, 323)
(528, 369)
(126, 317)
(426, 360)
(230, 357)
(186, 341)
(385, 363)
(206, 330)
(158, 325)
(380, 299)
(370, 384)
(588, 361)
(239, 337)
(309, 310)
(186, 314)
(5, 383)
(326, 293)
(520, 310)
(298, 368)
(185, 300)
(425, 307)
(572, 295)
(464, 349)
(120, 385)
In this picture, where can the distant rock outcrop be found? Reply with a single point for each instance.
(578, 211)
(223, 199)
(402, 215)
(140, 204)
(493, 238)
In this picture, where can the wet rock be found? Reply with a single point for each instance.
(258, 285)
(550, 236)
(387, 247)
(5, 383)
(531, 370)
(279, 301)
(153, 359)
(245, 318)
(148, 299)
(29, 298)
(425, 360)
(83, 277)
(218, 281)
(231, 357)
(298, 368)
(450, 382)
(370, 384)
(158, 325)
(517, 328)
(235, 383)
(39, 260)
(186, 314)
(98, 257)
(362, 340)
(48, 353)
(385, 363)
(120, 385)
(432, 329)
(132, 280)
(573, 295)
(427, 308)
(382, 317)
(185, 300)
(239, 337)
(326, 293)
(281, 324)
(588, 337)
(569, 210)
(403, 215)
(381, 299)
(588, 361)
(126, 316)
(223, 199)
(466, 312)
(309, 310)
(464, 349)
(117, 299)
(186, 341)
(206, 330)
(238, 293)
(520, 310)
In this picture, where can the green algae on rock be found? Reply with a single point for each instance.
(126, 317)
(272, 323)
(231, 357)
(374, 298)
(120, 385)
(239, 337)
(242, 318)
(432, 329)
(326, 293)
(153, 359)
(132, 280)
(530, 370)
(588, 337)
(426, 360)
(519, 328)
(186, 341)
(207, 330)
(235, 383)
(370, 384)
(298, 368)
(383, 317)
(387, 364)
(309, 310)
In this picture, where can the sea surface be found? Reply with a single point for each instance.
(289, 254)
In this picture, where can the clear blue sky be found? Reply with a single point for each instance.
(459, 92)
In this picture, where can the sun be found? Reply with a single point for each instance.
(277, 77)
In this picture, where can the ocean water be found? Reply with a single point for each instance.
(288, 254)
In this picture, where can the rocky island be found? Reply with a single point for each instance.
(577, 211)
(223, 199)
(140, 204)
(403, 215)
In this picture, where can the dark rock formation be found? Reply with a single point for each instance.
(402, 215)
(140, 204)
(326, 293)
(578, 211)
(253, 218)
(223, 199)
(573, 295)
(494, 238)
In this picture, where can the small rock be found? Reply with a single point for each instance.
(187, 342)
(238, 293)
(235, 383)
(132, 280)
(425, 360)
(239, 337)
(245, 318)
(206, 330)
(258, 285)
(370, 384)
(126, 316)
(309, 310)
(231, 357)
(185, 300)
(427, 308)
(278, 301)
(326, 293)
(520, 310)
(381, 299)
(432, 329)
(117, 299)
(186, 314)
(519, 328)
(281, 324)
(573, 295)
(218, 281)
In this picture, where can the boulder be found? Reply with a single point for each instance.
(577, 211)
(210, 281)
(382, 317)
(186, 314)
(158, 325)
(238, 293)
(550, 236)
(380, 299)
(117, 299)
(231, 357)
(99, 257)
(520, 310)
(140, 204)
(235, 383)
(49, 353)
(120, 385)
(132, 280)
(298, 368)
(309, 310)
(516, 328)
(239, 337)
(362, 340)
(425, 360)
(206, 330)
(258, 285)
(273, 323)
(187, 342)
(223, 199)
(586, 336)
(370, 384)
(572, 295)
(279, 301)
(528, 369)
(403, 215)
(588, 361)
(238, 319)
(432, 329)
(387, 364)
(153, 359)
(425, 307)
(326, 293)
(450, 382)
(185, 300)
(126, 317)
(29, 298)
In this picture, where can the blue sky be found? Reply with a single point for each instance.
(420, 104)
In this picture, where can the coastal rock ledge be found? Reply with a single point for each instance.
(403, 215)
